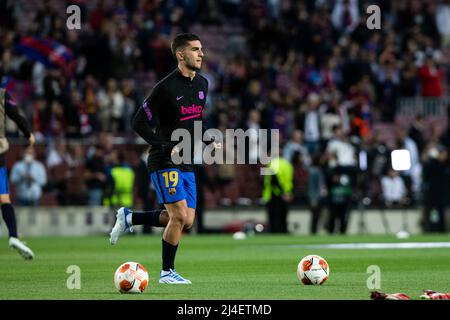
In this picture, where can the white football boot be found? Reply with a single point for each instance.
(172, 277)
(18, 245)
(121, 225)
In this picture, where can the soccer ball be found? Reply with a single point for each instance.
(313, 269)
(131, 277)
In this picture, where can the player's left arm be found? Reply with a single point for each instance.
(12, 112)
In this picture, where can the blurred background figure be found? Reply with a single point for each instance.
(435, 189)
(58, 154)
(120, 182)
(412, 177)
(28, 176)
(340, 157)
(95, 175)
(277, 193)
(316, 188)
(295, 144)
(394, 190)
(339, 198)
(309, 123)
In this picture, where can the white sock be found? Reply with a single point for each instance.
(128, 218)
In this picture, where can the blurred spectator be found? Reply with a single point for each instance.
(29, 177)
(120, 182)
(111, 105)
(413, 175)
(76, 154)
(277, 193)
(329, 119)
(74, 109)
(92, 104)
(416, 132)
(431, 76)
(435, 189)
(58, 154)
(95, 175)
(408, 85)
(339, 198)
(394, 189)
(296, 145)
(316, 188)
(345, 15)
(443, 22)
(309, 123)
(300, 179)
(343, 151)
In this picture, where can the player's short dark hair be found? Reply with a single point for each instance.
(181, 41)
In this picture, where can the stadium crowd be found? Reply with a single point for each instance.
(311, 69)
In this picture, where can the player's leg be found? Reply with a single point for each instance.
(9, 215)
(178, 213)
(152, 218)
(10, 219)
(181, 217)
(127, 218)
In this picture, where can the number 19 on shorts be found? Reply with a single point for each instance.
(170, 178)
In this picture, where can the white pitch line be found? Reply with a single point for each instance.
(402, 245)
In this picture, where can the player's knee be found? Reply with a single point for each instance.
(179, 217)
(189, 223)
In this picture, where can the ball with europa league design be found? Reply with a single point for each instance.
(131, 277)
(313, 269)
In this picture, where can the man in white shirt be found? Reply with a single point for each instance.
(394, 189)
(344, 151)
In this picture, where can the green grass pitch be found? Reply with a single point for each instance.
(259, 267)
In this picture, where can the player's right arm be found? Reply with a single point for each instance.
(141, 122)
(13, 113)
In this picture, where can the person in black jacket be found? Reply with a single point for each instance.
(435, 189)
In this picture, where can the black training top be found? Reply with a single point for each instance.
(175, 102)
(13, 113)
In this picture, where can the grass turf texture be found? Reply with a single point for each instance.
(260, 267)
